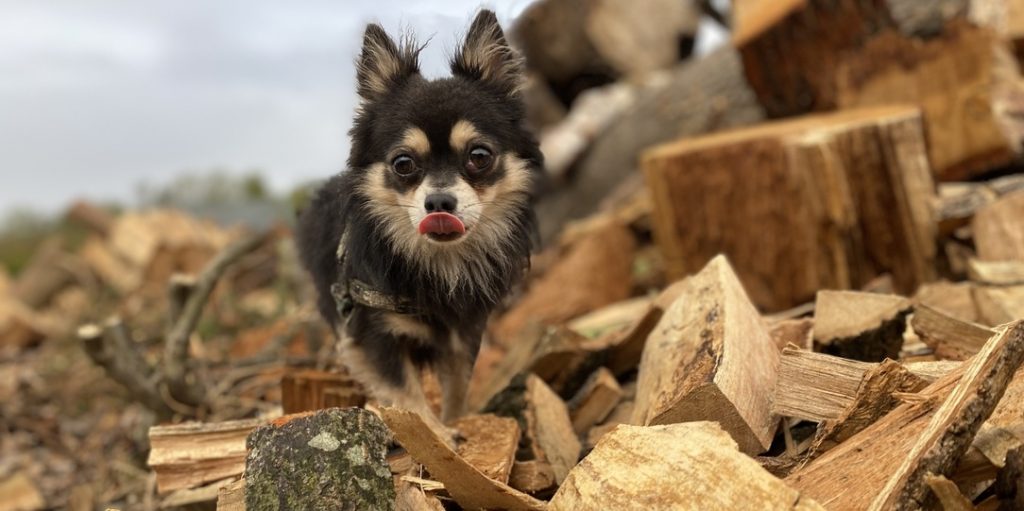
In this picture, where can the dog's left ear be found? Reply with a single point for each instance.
(486, 56)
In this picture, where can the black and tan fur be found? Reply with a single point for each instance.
(452, 285)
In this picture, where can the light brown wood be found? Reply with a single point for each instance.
(961, 79)
(694, 466)
(532, 476)
(190, 455)
(622, 414)
(999, 304)
(231, 496)
(819, 387)
(18, 492)
(467, 485)
(947, 493)
(950, 338)
(858, 203)
(929, 434)
(996, 273)
(306, 390)
(876, 396)
(596, 271)
(411, 497)
(860, 326)
(610, 318)
(711, 358)
(953, 298)
(550, 428)
(594, 401)
(798, 332)
(999, 229)
(490, 444)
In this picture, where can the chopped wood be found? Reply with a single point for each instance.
(998, 305)
(930, 434)
(46, 274)
(622, 414)
(610, 318)
(231, 496)
(90, 216)
(467, 485)
(309, 389)
(641, 38)
(192, 454)
(19, 493)
(532, 477)
(998, 229)
(798, 332)
(876, 396)
(711, 358)
(490, 444)
(860, 326)
(596, 271)
(949, 337)
(594, 401)
(1009, 485)
(694, 465)
(836, 218)
(206, 494)
(626, 346)
(953, 298)
(549, 428)
(510, 363)
(947, 493)
(413, 498)
(996, 273)
(819, 387)
(564, 360)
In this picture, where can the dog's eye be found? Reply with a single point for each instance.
(480, 159)
(403, 165)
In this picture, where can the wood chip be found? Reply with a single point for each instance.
(467, 485)
(192, 454)
(592, 404)
(490, 444)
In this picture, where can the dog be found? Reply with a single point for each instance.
(422, 237)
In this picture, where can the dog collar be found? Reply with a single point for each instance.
(349, 292)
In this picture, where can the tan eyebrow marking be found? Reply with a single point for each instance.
(463, 132)
(415, 139)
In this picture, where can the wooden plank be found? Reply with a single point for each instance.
(711, 358)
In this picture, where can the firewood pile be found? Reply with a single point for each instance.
(787, 274)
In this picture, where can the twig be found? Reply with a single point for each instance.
(176, 347)
(97, 340)
(179, 288)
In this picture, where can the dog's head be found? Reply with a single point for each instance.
(446, 166)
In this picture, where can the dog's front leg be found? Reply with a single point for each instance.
(454, 370)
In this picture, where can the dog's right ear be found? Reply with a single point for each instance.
(384, 65)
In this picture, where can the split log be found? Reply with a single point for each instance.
(818, 387)
(947, 493)
(860, 326)
(90, 216)
(467, 485)
(708, 473)
(1005, 17)
(310, 390)
(596, 271)
(950, 338)
(611, 318)
(533, 477)
(958, 202)
(622, 414)
(999, 229)
(996, 273)
(549, 428)
(955, 299)
(867, 53)
(876, 396)
(929, 434)
(703, 95)
(331, 459)
(490, 444)
(414, 498)
(626, 346)
(46, 274)
(231, 497)
(998, 305)
(192, 454)
(1009, 485)
(858, 203)
(798, 332)
(592, 404)
(711, 358)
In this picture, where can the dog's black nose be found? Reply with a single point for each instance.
(440, 203)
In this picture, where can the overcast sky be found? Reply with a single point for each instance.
(97, 96)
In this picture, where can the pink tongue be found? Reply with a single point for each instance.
(441, 223)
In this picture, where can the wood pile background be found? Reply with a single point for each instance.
(786, 274)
